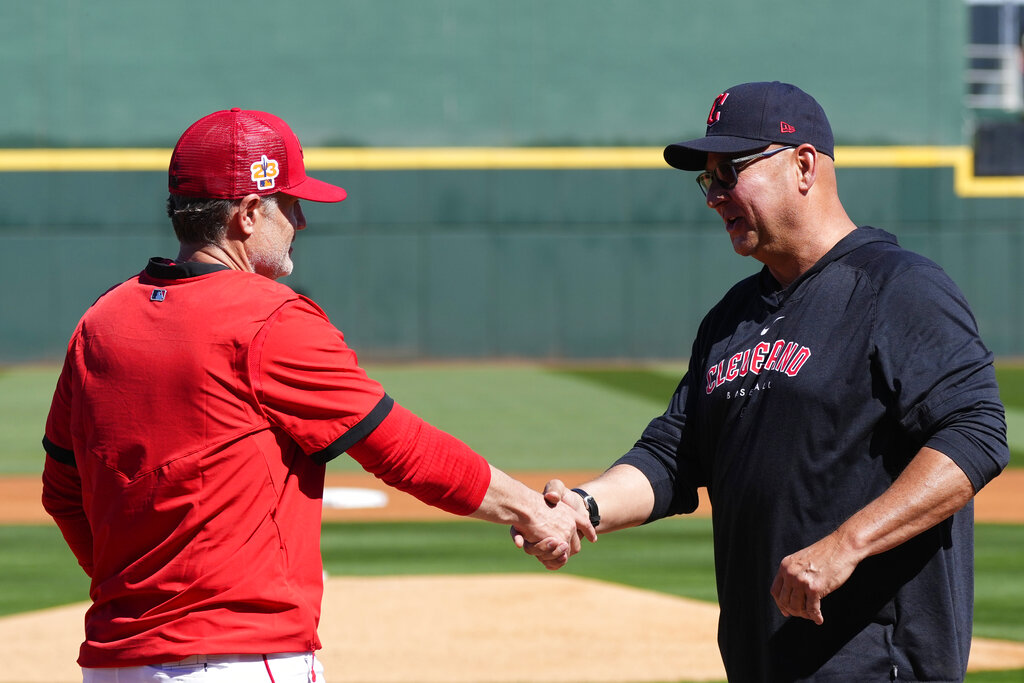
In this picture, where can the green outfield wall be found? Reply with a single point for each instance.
(428, 73)
(606, 263)
(437, 254)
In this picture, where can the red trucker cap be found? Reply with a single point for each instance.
(230, 154)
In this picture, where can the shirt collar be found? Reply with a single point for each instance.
(166, 269)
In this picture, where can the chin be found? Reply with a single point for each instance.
(277, 273)
(743, 247)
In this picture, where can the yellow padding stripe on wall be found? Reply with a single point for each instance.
(959, 158)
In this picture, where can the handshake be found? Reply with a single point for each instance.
(551, 525)
(572, 515)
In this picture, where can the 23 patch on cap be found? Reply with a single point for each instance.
(263, 172)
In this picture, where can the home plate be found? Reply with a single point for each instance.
(344, 498)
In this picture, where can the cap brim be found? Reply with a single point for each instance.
(316, 191)
(692, 155)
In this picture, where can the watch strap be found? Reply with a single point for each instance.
(591, 505)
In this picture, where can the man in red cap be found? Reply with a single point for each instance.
(188, 435)
(839, 407)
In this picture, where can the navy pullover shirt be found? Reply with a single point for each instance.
(799, 407)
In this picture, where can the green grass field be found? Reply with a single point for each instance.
(522, 417)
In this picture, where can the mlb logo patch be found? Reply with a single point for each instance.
(263, 172)
(158, 295)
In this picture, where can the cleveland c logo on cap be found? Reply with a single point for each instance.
(715, 114)
(263, 172)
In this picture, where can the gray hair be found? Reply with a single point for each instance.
(202, 221)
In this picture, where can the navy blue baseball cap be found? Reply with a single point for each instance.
(748, 117)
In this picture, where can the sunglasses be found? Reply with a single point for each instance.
(727, 173)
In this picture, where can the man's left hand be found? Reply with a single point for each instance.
(808, 575)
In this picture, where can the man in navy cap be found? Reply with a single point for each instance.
(841, 410)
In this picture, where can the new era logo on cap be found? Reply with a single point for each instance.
(230, 154)
(750, 116)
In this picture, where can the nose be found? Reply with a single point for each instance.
(300, 218)
(716, 193)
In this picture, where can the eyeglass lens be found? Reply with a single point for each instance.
(725, 173)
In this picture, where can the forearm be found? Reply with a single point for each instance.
(415, 457)
(929, 490)
(438, 469)
(509, 501)
(624, 497)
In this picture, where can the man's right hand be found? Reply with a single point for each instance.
(549, 550)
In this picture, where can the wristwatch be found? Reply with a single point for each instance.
(591, 505)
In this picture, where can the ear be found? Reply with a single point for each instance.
(807, 166)
(245, 216)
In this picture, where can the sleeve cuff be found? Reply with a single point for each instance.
(357, 433)
(668, 498)
(61, 455)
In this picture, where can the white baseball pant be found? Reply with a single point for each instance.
(300, 667)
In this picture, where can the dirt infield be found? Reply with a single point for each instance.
(483, 629)
(471, 629)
